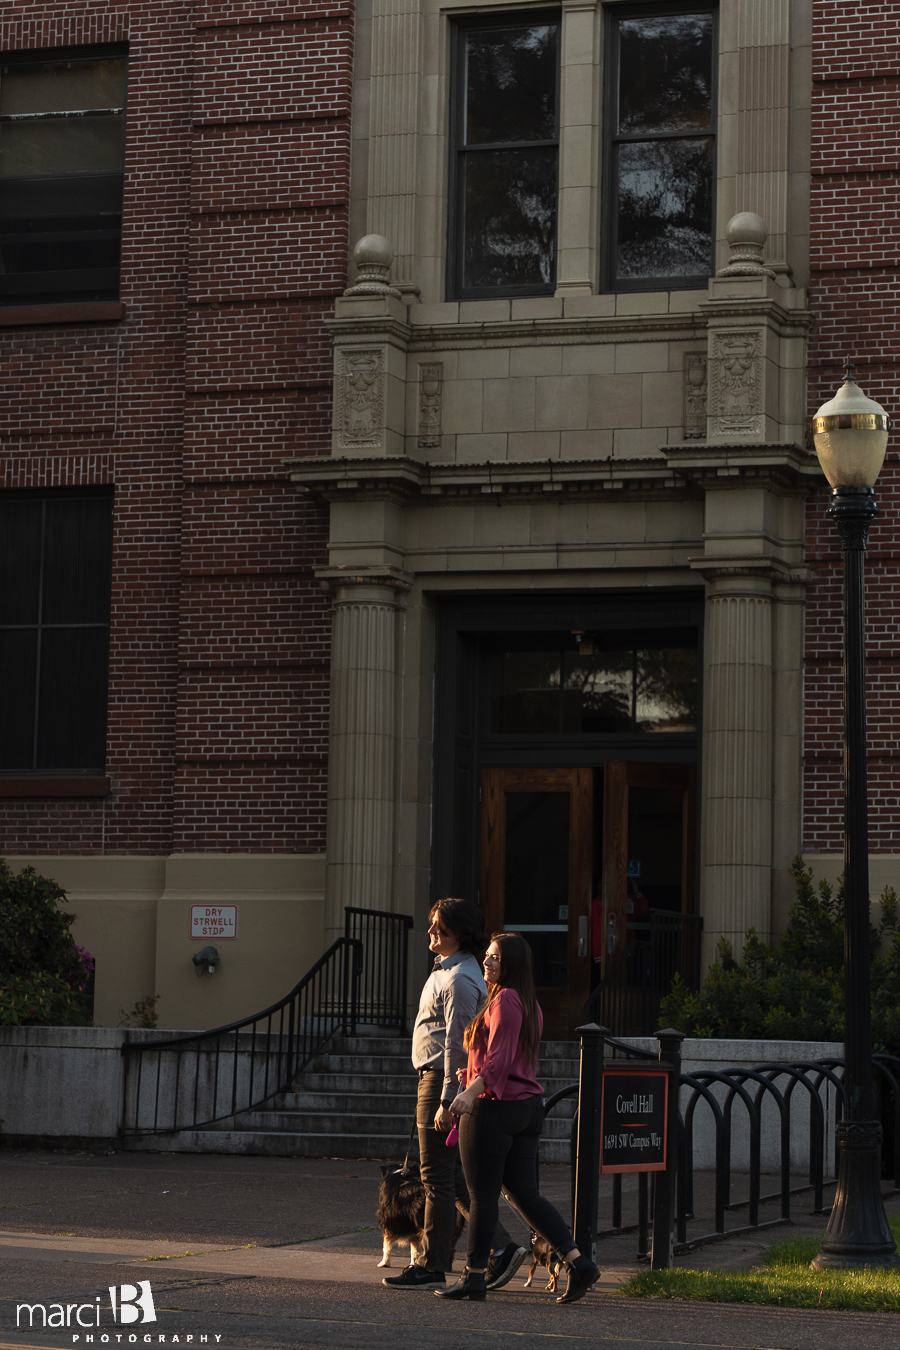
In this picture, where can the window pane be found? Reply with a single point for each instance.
(60, 145)
(17, 673)
(511, 85)
(20, 560)
(64, 87)
(598, 691)
(77, 561)
(665, 209)
(72, 705)
(665, 73)
(510, 218)
(525, 692)
(667, 689)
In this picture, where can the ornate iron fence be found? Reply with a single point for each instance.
(742, 1089)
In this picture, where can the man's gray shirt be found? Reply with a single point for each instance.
(453, 993)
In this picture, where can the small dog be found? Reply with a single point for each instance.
(542, 1254)
(401, 1211)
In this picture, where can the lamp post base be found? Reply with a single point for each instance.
(858, 1233)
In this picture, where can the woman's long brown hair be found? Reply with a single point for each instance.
(515, 973)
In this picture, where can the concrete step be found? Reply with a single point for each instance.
(339, 1121)
(286, 1145)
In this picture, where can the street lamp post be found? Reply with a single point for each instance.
(850, 433)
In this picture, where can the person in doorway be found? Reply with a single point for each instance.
(452, 995)
(502, 1111)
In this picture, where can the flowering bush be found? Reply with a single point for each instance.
(43, 973)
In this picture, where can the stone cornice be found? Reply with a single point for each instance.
(402, 479)
(766, 568)
(786, 467)
(589, 330)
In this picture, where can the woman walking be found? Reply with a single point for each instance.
(501, 1110)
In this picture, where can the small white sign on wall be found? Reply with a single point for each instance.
(214, 921)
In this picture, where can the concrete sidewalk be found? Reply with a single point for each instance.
(273, 1253)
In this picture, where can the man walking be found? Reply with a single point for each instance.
(452, 996)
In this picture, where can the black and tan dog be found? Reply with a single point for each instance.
(401, 1211)
(542, 1254)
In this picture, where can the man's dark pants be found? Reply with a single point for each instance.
(442, 1177)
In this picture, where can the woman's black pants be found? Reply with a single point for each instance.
(498, 1144)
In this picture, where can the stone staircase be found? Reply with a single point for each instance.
(357, 1101)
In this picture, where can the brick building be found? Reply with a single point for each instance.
(556, 544)
(149, 399)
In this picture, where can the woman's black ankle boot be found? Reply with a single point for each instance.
(472, 1285)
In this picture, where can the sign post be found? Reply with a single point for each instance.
(628, 1122)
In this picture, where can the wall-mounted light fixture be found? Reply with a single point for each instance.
(205, 961)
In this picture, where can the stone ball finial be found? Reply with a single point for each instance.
(373, 256)
(746, 234)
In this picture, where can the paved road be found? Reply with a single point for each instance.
(281, 1253)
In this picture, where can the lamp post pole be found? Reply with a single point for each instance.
(857, 1232)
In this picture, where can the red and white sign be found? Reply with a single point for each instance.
(214, 921)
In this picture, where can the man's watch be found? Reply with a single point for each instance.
(445, 1102)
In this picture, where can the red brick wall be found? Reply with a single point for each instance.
(234, 246)
(855, 295)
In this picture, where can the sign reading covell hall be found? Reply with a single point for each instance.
(214, 921)
(633, 1114)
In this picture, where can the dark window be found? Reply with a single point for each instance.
(505, 150)
(62, 129)
(644, 682)
(660, 151)
(55, 553)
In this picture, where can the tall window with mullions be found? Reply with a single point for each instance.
(505, 152)
(55, 558)
(62, 131)
(660, 147)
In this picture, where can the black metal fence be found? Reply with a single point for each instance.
(186, 1082)
(628, 998)
(385, 940)
(664, 1204)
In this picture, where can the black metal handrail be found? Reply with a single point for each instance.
(385, 939)
(187, 1082)
(628, 998)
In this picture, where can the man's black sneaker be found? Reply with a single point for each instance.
(503, 1265)
(416, 1277)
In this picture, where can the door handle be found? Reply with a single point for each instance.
(582, 935)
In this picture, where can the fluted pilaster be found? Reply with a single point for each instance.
(362, 773)
(395, 93)
(737, 761)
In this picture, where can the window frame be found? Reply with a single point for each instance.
(52, 56)
(460, 25)
(44, 495)
(609, 203)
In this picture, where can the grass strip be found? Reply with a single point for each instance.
(783, 1278)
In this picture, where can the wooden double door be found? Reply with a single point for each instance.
(574, 859)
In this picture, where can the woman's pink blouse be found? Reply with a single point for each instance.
(497, 1054)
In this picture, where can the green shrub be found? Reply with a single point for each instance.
(794, 989)
(43, 973)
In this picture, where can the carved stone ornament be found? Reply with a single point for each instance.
(862, 1134)
(695, 389)
(431, 391)
(735, 396)
(360, 399)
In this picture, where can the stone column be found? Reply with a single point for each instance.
(362, 769)
(736, 809)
